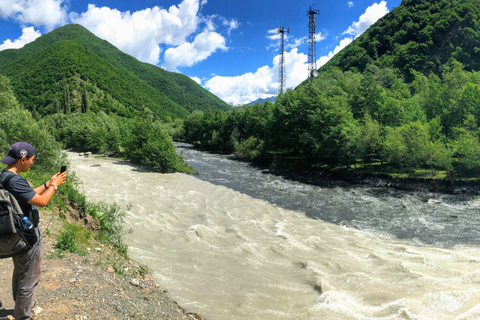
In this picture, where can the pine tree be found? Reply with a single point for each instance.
(66, 99)
(55, 106)
(84, 101)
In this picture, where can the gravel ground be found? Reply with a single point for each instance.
(87, 287)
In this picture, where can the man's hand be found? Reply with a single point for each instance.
(58, 179)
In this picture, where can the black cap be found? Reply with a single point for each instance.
(18, 150)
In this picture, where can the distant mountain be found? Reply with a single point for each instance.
(418, 35)
(63, 64)
(271, 99)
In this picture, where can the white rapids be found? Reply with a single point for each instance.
(226, 255)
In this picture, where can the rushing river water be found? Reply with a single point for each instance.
(236, 242)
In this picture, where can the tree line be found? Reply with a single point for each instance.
(351, 118)
(142, 140)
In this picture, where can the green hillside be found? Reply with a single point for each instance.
(63, 64)
(420, 35)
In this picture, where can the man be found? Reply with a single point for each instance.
(27, 266)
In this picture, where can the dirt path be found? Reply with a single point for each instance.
(75, 287)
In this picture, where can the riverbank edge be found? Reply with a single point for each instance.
(323, 177)
(138, 277)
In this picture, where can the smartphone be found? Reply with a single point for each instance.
(63, 169)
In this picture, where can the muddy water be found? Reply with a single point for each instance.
(227, 250)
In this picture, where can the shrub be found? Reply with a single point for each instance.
(73, 239)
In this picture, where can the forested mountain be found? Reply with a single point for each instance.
(420, 35)
(70, 67)
(260, 100)
(404, 97)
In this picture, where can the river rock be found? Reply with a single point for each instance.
(37, 310)
(135, 282)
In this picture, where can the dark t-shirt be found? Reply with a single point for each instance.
(22, 191)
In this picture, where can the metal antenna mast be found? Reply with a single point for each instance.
(281, 67)
(312, 59)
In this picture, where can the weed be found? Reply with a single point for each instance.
(72, 239)
(142, 271)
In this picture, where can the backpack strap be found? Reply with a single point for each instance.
(16, 207)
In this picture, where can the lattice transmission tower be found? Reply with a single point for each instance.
(312, 59)
(281, 66)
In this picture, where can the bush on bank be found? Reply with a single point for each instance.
(141, 141)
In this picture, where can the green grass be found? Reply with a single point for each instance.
(73, 238)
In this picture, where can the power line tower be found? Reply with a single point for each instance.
(312, 59)
(281, 67)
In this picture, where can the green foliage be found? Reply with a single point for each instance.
(73, 238)
(77, 70)
(151, 146)
(17, 124)
(347, 118)
(140, 140)
(417, 36)
(112, 230)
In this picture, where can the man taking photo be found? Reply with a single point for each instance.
(27, 266)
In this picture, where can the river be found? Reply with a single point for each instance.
(237, 242)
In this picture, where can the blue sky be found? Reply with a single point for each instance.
(229, 47)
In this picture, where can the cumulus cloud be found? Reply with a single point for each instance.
(371, 15)
(28, 35)
(343, 43)
(350, 4)
(140, 33)
(196, 79)
(48, 13)
(262, 83)
(188, 54)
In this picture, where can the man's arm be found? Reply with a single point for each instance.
(41, 199)
(42, 196)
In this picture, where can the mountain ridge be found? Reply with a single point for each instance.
(116, 82)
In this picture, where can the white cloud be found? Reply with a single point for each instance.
(200, 49)
(196, 79)
(232, 25)
(140, 33)
(264, 82)
(298, 42)
(343, 43)
(371, 15)
(350, 4)
(261, 84)
(273, 34)
(48, 13)
(28, 35)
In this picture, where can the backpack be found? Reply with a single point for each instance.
(13, 236)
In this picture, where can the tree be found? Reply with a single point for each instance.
(368, 98)
(66, 99)
(84, 104)
(56, 108)
(151, 146)
(34, 112)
